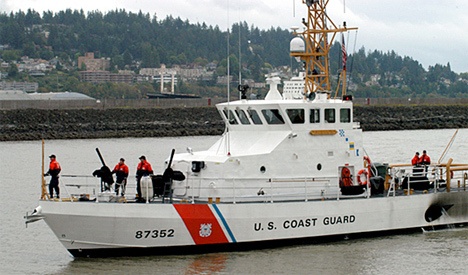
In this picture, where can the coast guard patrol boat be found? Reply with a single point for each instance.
(288, 169)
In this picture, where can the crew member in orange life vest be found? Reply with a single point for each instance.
(54, 171)
(121, 172)
(425, 159)
(143, 169)
(416, 159)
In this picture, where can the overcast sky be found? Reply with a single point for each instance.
(428, 31)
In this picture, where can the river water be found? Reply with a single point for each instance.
(35, 250)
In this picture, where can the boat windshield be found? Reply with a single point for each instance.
(254, 116)
(296, 116)
(273, 116)
(242, 116)
(230, 116)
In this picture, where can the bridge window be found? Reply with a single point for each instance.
(273, 116)
(330, 115)
(254, 116)
(230, 116)
(314, 116)
(345, 115)
(296, 115)
(242, 116)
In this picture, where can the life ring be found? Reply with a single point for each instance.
(359, 174)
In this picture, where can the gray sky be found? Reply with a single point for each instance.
(428, 31)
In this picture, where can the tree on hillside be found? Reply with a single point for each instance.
(13, 70)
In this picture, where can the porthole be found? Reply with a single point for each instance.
(319, 166)
(262, 169)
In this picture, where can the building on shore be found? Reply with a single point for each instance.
(93, 64)
(105, 76)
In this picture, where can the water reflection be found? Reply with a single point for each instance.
(207, 264)
(187, 264)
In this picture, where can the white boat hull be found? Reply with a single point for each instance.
(111, 229)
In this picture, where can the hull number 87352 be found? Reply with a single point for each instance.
(146, 234)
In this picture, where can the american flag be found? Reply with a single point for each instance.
(343, 52)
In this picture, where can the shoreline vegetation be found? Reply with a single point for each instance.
(34, 124)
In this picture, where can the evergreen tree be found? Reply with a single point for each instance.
(13, 70)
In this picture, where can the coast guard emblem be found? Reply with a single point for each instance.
(205, 230)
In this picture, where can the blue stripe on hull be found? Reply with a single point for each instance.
(226, 226)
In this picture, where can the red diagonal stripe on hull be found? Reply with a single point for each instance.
(197, 215)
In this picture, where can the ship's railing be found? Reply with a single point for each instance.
(86, 187)
(73, 187)
(265, 189)
(443, 177)
(215, 189)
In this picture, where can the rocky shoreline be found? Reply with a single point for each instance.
(33, 124)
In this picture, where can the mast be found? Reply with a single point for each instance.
(44, 194)
(318, 36)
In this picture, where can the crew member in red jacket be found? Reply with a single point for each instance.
(415, 161)
(54, 171)
(143, 169)
(425, 159)
(121, 173)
